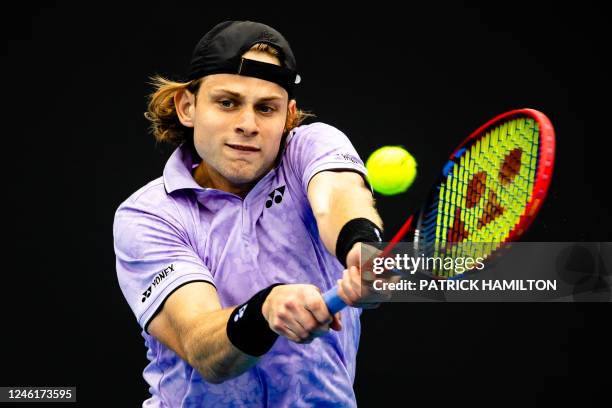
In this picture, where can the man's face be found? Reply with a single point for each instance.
(238, 124)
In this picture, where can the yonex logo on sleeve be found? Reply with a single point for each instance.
(146, 294)
(156, 281)
(347, 157)
(240, 313)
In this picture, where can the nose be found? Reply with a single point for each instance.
(247, 122)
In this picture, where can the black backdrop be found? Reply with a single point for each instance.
(421, 76)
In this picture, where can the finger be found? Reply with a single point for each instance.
(345, 288)
(299, 339)
(308, 325)
(302, 329)
(354, 281)
(290, 319)
(341, 293)
(311, 326)
(315, 304)
(337, 322)
(282, 329)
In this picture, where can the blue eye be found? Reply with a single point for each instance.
(226, 103)
(266, 109)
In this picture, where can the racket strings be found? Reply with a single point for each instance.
(486, 190)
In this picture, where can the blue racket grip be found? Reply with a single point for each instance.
(333, 301)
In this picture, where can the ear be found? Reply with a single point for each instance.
(184, 101)
(292, 107)
(291, 114)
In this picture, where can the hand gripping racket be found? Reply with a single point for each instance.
(489, 191)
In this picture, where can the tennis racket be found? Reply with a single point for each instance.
(489, 191)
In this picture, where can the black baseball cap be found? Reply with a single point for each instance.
(220, 52)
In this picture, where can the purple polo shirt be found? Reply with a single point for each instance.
(172, 232)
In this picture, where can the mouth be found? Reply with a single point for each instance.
(243, 148)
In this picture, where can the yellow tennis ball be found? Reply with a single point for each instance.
(391, 170)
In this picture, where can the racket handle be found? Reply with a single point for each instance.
(333, 301)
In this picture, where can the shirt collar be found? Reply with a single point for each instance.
(178, 170)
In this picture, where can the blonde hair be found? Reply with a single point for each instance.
(161, 112)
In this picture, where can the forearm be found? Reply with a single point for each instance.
(209, 350)
(345, 204)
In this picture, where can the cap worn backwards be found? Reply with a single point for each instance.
(220, 52)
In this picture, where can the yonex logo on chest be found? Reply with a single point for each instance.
(276, 196)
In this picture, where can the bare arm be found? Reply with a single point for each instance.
(336, 198)
(193, 324)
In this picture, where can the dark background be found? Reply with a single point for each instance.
(76, 145)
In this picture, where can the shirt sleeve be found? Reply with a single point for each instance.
(153, 258)
(318, 147)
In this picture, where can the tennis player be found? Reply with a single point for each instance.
(223, 259)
